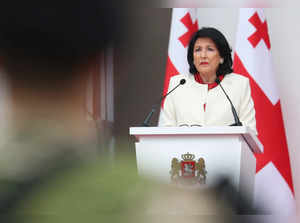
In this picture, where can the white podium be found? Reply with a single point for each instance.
(226, 151)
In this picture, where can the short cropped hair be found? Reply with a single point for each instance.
(222, 45)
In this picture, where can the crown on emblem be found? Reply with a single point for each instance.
(188, 156)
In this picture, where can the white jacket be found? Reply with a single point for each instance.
(185, 105)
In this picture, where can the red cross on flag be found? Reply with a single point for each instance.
(252, 58)
(183, 25)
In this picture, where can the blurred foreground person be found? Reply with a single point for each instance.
(50, 168)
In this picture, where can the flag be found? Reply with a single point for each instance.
(183, 25)
(274, 188)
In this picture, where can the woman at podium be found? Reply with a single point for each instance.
(200, 99)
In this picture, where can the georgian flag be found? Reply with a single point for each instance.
(274, 188)
(183, 25)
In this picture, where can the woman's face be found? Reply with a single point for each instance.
(206, 56)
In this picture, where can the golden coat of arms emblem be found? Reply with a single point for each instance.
(188, 171)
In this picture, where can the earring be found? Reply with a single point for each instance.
(221, 61)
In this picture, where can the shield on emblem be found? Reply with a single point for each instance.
(188, 169)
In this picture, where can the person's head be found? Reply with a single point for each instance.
(209, 45)
(44, 44)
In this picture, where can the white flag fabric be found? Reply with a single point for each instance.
(252, 58)
(183, 25)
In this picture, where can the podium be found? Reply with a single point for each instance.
(225, 151)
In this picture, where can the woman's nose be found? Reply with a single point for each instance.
(203, 53)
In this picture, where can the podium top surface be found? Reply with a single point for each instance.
(189, 130)
(245, 131)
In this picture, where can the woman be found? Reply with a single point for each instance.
(200, 101)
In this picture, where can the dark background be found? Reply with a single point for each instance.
(139, 71)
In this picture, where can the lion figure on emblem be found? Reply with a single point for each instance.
(201, 171)
(175, 169)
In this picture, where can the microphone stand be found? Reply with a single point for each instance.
(154, 107)
(149, 116)
(237, 121)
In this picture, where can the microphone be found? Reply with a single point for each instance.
(236, 117)
(154, 107)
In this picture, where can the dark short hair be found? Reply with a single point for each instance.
(222, 45)
(43, 42)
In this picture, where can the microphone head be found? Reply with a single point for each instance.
(182, 81)
(217, 80)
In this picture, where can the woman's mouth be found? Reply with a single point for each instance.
(203, 63)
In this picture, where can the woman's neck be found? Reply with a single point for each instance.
(208, 78)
